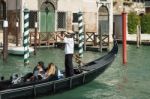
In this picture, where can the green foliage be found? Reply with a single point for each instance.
(133, 21)
(145, 23)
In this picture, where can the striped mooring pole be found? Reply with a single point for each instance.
(81, 34)
(26, 36)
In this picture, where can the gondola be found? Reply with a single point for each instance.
(14, 50)
(45, 87)
(18, 50)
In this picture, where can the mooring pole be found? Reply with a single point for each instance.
(81, 35)
(84, 38)
(26, 37)
(138, 37)
(114, 29)
(124, 31)
(35, 39)
(17, 33)
(140, 34)
(5, 40)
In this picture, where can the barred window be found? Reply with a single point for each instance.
(32, 18)
(61, 24)
(75, 17)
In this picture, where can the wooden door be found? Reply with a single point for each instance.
(47, 17)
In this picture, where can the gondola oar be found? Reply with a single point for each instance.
(78, 61)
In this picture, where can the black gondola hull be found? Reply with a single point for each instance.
(90, 71)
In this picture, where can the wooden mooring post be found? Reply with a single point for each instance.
(5, 40)
(138, 36)
(17, 33)
(124, 31)
(35, 39)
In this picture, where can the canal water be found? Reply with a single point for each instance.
(119, 81)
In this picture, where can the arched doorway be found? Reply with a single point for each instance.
(103, 20)
(103, 27)
(47, 17)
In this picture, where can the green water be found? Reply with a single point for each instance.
(129, 81)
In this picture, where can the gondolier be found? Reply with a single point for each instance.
(69, 50)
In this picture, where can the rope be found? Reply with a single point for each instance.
(26, 36)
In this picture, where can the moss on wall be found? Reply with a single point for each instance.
(145, 23)
(133, 21)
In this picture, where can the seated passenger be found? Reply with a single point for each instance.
(51, 72)
(38, 73)
(41, 63)
(16, 79)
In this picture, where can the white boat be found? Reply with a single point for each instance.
(18, 50)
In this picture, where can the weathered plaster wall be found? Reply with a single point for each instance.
(30, 4)
(11, 5)
(70, 5)
(88, 7)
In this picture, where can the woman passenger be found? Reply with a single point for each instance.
(51, 72)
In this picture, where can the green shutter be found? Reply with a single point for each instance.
(43, 22)
(51, 22)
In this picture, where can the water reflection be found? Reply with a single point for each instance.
(119, 81)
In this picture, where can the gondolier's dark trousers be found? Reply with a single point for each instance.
(68, 65)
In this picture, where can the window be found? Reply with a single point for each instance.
(2, 10)
(103, 0)
(61, 24)
(32, 18)
(75, 17)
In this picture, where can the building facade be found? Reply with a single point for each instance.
(58, 15)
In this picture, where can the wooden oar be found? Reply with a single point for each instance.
(78, 60)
